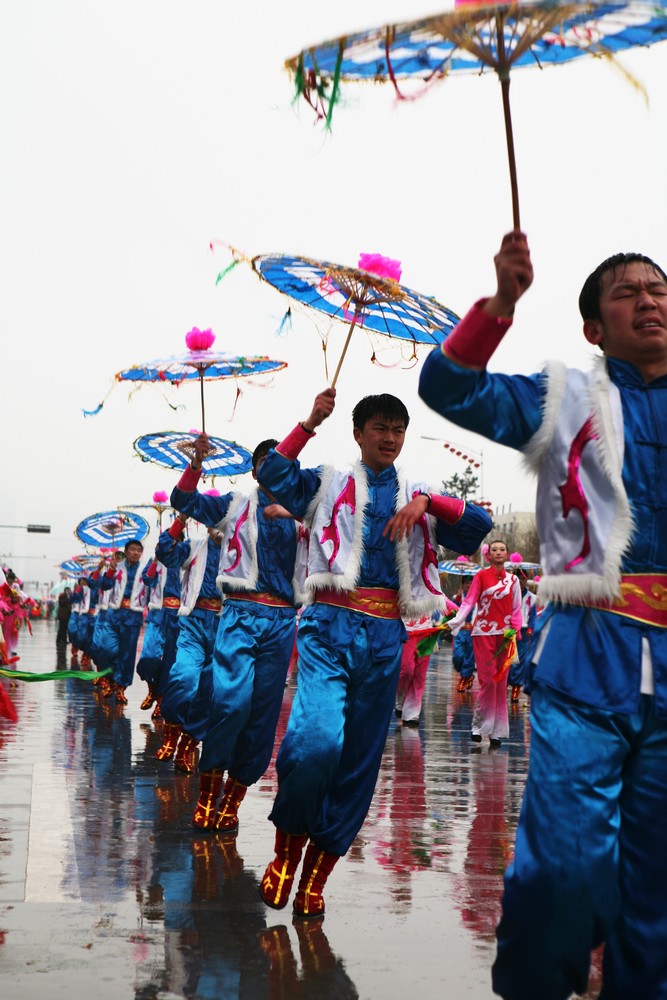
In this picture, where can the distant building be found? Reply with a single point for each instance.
(519, 530)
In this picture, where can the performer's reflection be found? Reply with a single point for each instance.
(322, 975)
(216, 940)
(402, 846)
(490, 845)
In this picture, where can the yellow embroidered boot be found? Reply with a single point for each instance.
(148, 700)
(172, 733)
(277, 881)
(186, 754)
(210, 786)
(317, 866)
(227, 820)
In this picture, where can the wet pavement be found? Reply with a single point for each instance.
(107, 892)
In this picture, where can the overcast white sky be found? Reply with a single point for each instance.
(135, 133)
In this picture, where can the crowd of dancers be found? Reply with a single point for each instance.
(356, 551)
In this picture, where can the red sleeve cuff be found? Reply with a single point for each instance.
(95, 575)
(447, 509)
(290, 446)
(176, 528)
(189, 479)
(152, 569)
(473, 341)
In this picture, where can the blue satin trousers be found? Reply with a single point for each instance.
(520, 670)
(120, 643)
(159, 649)
(463, 657)
(187, 693)
(329, 760)
(250, 660)
(591, 856)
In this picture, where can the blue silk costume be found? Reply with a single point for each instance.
(349, 663)
(73, 623)
(87, 621)
(463, 657)
(121, 635)
(520, 670)
(188, 682)
(158, 651)
(590, 862)
(252, 649)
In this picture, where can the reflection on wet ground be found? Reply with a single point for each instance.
(106, 891)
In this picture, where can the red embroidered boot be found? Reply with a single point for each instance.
(277, 880)
(172, 733)
(516, 692)
(317, 866)
(210, 786)
(103, 686)
(148, 700)
(157, 712)
(227, 820)
(121, 697)
(186, 754)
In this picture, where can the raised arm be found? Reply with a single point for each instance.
(185, 498)
(454, 381)
(281, 474)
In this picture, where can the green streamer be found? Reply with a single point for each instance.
(223, 274)
(335, 85)
(53, 675)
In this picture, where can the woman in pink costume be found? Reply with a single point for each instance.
(498, 597)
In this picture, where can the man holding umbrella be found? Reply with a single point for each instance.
(590, 864)
(372, 558)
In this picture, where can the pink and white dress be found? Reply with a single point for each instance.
(498, 599)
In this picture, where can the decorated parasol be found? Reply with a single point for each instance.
(175, 449)
(111, 528)
(78, 564)
(476, 38)
(458, 567)
(198, 363)
(368, 296)
(159, 505)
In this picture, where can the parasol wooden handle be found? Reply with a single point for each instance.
(505, 90)
(201, 392)
(345, 346)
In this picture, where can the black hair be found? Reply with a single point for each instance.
(385, 405)
(133, 541)
(589, 297)
(262, 450)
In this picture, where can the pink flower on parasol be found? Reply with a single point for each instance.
(199, 340)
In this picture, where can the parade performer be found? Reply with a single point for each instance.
(463, 656)
(366, 568)
(88, 617)
(254, 641)
(497, 594)
(414, 665)
(125, 617)
(73, 623)
(186, 690)
(101, 641)
(590, 864)
(158, 652)
(520, 669)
